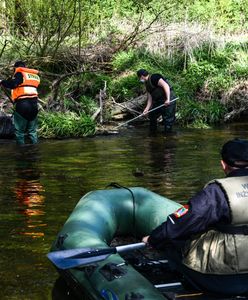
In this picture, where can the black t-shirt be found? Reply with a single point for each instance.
(155, 79)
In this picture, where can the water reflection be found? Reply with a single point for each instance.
(41, 185)
(160, 153)
(28, 191)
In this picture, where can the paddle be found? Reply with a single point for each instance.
(142, 115)
(66, 259)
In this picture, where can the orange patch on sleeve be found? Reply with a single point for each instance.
(181, 211)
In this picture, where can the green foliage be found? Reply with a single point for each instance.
(87, 84)
(239, 66)
(198, 124)
(125, 87)
(78, 93)
(200, 114)
(43, 27)
(53, 33)
(125, 84)
(215, 71)
(223, 14)
(218, 84)
(125, 60)
(92, 83)
(197, 73)
(88, 104)
(65, 125)
(215, 111)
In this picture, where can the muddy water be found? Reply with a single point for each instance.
(40, 185)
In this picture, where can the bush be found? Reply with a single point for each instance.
(125, 60)
(197, 74)
(215, 86)
(65, 125)
(125, 87)
(239, 66)
(200, 114)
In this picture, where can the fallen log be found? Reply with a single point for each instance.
(120, 111)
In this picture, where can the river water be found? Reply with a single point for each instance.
(40, 186)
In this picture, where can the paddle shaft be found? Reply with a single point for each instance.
(130, 247)
(111, 250)
(141, 115)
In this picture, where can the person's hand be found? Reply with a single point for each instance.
(145, 111)
(167, 102)
(145, 239)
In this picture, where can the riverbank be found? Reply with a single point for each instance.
(212, 88)
(83, 81)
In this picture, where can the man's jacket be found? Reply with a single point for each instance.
(214, 225)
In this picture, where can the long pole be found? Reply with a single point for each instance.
(141, 115)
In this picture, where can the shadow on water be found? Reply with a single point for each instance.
(40, 186)
(61, 291)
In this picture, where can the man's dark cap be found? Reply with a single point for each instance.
(235, 153)
(142, 72)
(19, 63)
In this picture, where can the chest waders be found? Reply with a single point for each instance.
(25, 120)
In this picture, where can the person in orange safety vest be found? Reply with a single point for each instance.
(24, 96)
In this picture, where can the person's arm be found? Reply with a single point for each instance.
(148, 104)
(205, 209)
(165, 86)
(13, 82)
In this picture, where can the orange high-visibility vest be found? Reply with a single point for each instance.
(28, 88)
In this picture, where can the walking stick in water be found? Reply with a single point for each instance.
(141, 115)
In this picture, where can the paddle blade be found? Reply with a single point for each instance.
(64, 263)
(71, 258)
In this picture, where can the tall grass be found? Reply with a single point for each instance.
(64, 125)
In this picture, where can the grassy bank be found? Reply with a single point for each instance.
(202, 81)
(201, 48)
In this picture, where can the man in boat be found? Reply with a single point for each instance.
(159, 92)
(24, 96)
(207, 239)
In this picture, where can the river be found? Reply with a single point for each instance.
(40, 186)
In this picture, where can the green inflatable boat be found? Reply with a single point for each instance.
(97, 219)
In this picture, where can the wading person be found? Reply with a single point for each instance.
(24, 95)
(207, 239)
(159, 92)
